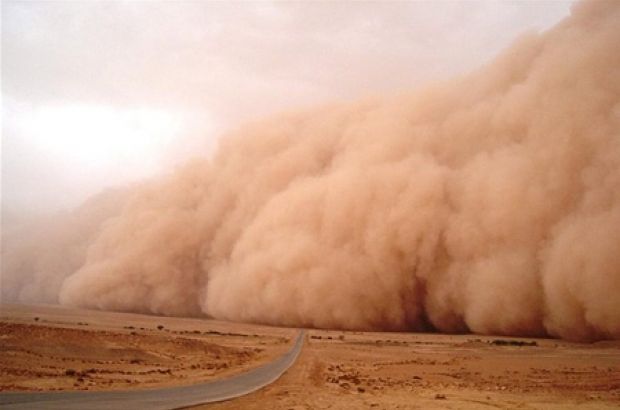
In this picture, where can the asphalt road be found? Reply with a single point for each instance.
(165, 398)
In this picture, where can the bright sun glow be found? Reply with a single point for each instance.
(101, 136)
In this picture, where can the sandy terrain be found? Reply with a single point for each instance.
(351, 370)
(51, 348)
(55, 348)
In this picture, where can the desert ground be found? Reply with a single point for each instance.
(55, 348)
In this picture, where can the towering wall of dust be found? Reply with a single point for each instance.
(489, 203)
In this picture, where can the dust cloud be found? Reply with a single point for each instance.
(489, 203)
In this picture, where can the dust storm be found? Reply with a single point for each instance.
(487, 203)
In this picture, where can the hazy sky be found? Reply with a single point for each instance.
(97, 94)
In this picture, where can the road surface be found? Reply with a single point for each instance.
(165, 398)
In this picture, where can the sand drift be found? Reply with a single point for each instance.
(489, 203)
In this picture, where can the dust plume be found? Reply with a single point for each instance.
(38, 253)
(489, 203)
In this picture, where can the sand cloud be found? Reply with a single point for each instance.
(489, 203)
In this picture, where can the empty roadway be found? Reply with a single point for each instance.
(164, 398)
